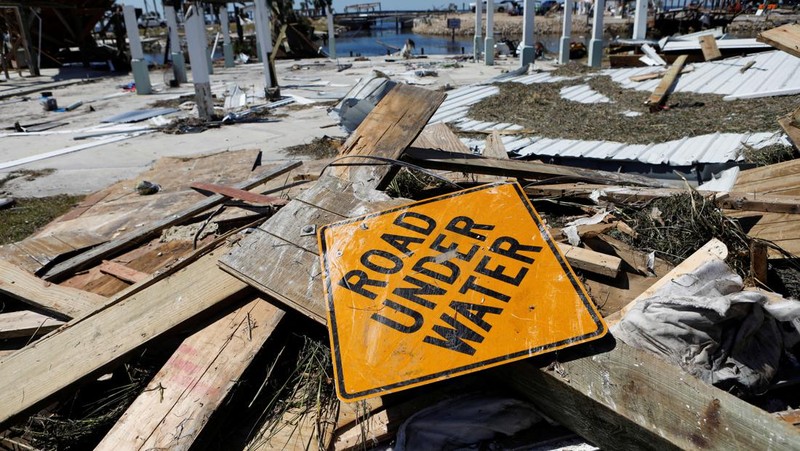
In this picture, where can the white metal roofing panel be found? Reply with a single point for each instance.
(745, 43)
(774, 73)
(583, 94)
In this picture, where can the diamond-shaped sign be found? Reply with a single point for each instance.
(444, 287)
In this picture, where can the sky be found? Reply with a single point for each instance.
(338, 5)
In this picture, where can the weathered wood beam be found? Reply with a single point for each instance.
(26, 324)
(233, 193)
(436, 159)
(623, 398)
(785, 37)
(659, 95)
(112, 248)
(63, 302)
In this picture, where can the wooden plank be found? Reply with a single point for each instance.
(435, 159)
(714, 249)
(623, 398)
(26, 324)
(708, 44)
(386, 131)
(589, 260)
(85, 346)
(122, 272)
(495, 147)
(768, 179)
(177, 403)
(63, 302)
(233, 193)
(112, 248)
(790, 125)
(282, 259)
(659, 95)
(440, 136)
(785, 37)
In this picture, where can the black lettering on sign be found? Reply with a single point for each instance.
(437, 246)
(498, 273)
(361, 280)
(430, 270)
(416, 222)
(401, 242)
(463, 225)
(369, 262)
(513, 248)
(415, 316)
(453, 337)
(471, 285)
(422, 289)
(475, 312)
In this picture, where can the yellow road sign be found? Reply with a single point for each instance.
(444, 287)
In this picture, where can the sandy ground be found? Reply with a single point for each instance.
(88, 170)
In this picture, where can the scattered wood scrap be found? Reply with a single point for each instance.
(659, 95)
(786, 38)
(708, 44)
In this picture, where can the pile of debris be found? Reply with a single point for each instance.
(407, 292)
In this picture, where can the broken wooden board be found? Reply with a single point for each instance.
(780, 229)
(177, 403)
(439, 136)
(659, 95)
(85, 346)
(282, 258)
(708, 44)
(34, 252)
(658, 74)
(619, 397)
(449, 161)
(26, 324)
(114, 247)
(591, 261)
(233, 193)
(387, 130)
(791, 125)
(786, 38)
(63, 302)
(779, 178)
(122, 272)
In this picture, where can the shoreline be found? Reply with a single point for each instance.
(510, 26)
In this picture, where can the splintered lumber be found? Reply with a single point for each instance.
(122, 272)
(86, 345)
(240, 194)
(708, 44)
(713, 250)
(495, 147)
(26, 324)
(785, 37)
(436, 159)
(387, 130)
(791, 125)
(177, 403)
(439, 136)
(628, 399)
(589, 260)
(112, 248)
(659, 95)
(282, 259)
(62, 302)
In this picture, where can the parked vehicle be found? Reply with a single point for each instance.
(151, 20)
(500, 7)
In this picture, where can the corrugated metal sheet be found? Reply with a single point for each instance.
(583, 94)
(722, 44)
(774, 73)
(458, 101)
(712, 148)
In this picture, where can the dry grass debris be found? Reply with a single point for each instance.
(541, 109)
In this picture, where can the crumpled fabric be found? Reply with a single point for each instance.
(705, 323)
(466, 422)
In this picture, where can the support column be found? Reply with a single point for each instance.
(596, 44)
(141, 76)
(195, 29)
(528, 50)
(640, 20)
(23, 17)
(178, 61)
(264, 36)
(477, 44)
(227, 47)
(331, 33)
(488, 42)
(566, 32)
